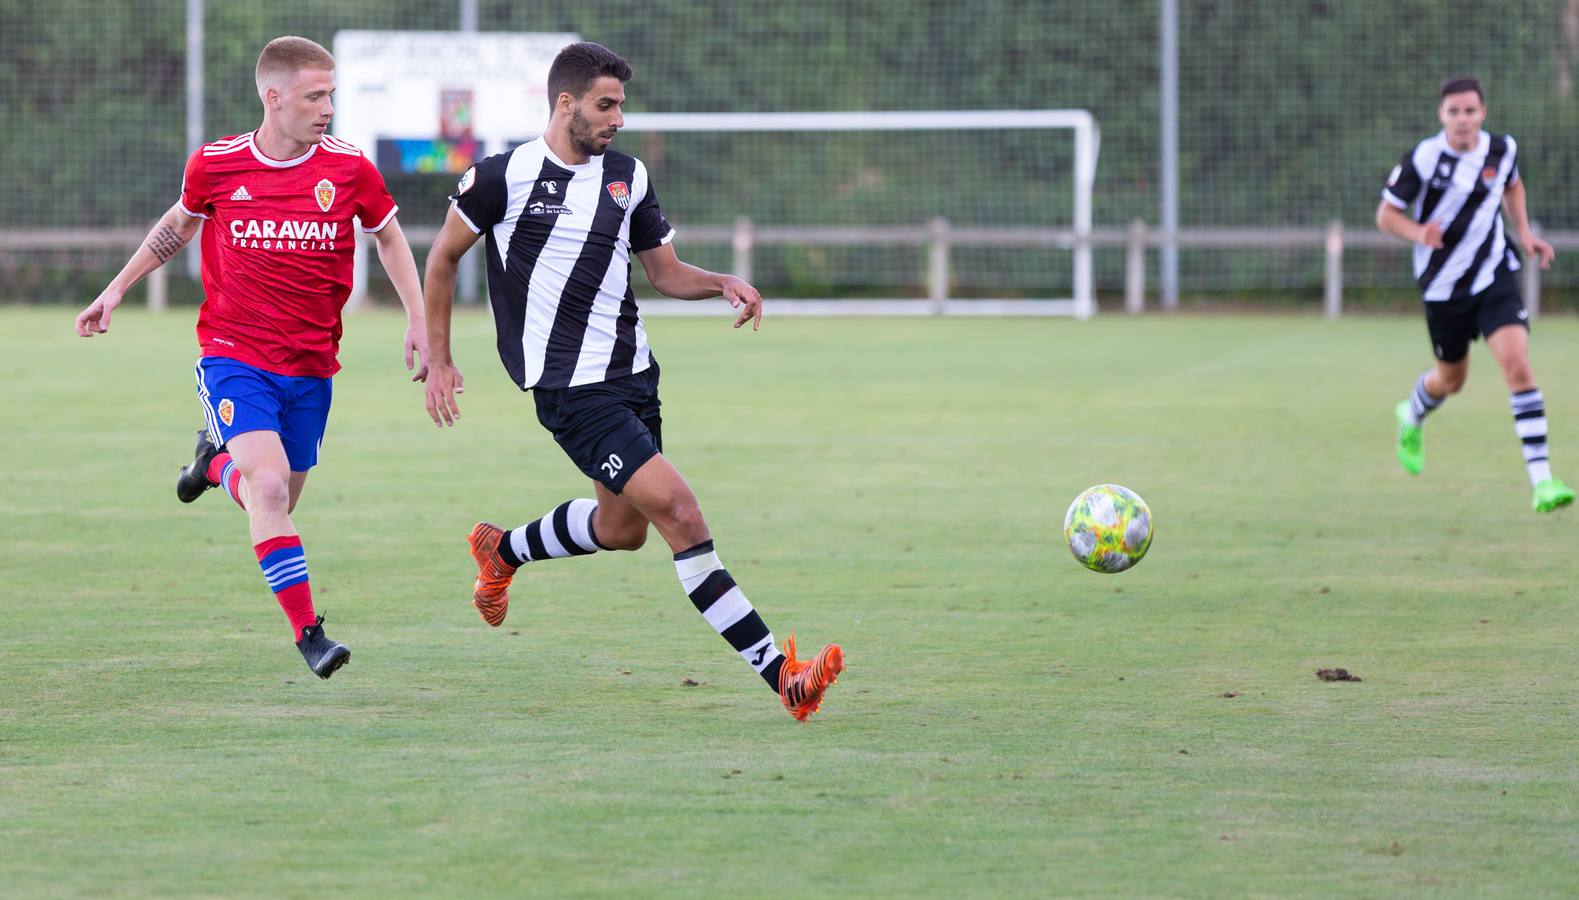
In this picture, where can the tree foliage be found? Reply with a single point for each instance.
(1290, 113)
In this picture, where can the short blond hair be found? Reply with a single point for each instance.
(288, 55)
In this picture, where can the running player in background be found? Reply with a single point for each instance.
(562, 215)
(1443, 197)
(277, 254)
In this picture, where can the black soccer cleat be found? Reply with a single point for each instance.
(323, 655)
(193, 480)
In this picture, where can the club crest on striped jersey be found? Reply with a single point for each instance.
(1488, 174)
(227, 411)
(323, 192)
(621, 193)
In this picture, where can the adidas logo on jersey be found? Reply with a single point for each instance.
(241, 194)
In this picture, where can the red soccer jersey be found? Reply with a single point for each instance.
(278, 247)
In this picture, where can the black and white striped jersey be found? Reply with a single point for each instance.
(1462, 192)
(559, 242)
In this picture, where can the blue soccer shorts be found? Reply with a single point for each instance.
(238, 398)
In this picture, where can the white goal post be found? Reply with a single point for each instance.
(1087, 140)
(971, 203)
(937, 237)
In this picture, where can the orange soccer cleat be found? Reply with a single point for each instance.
(491, 591)
(802, 684)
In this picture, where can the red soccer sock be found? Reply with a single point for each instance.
(223, 471)
(216, 468)
(284, 567)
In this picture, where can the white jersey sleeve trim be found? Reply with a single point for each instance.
(336, 145)
(380, 226)
(668, 237)
(195, 215)
(1388, 196)
(229, 145)
(457, 207)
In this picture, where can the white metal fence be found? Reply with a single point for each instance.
(938, 238)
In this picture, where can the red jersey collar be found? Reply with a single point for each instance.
(252, 143)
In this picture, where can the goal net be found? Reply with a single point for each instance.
(956, 212)
(979, 211)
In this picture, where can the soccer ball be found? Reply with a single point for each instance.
(1108, 528)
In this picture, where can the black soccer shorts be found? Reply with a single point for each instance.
(608, 429)
(1453, 324)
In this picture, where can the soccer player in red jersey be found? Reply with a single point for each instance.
(277, 252)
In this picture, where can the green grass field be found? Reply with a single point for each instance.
(1009, 723)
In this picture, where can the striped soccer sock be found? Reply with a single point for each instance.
(222, 470)
(1529, 422)
(1421, 404)
(284, 567)
(725, 607)
(567, 531)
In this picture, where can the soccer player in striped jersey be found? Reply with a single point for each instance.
(275, 207)
(1444, 198)
(562, 216)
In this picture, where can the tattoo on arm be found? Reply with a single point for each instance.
(165, 243)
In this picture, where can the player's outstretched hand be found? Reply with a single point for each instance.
(96, 318)
(1540, 250)
(745, 298)
(1431, 235)
(444, 382)
(417, 350)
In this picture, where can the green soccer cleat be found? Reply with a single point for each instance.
(1410, 452)
(1551, 494)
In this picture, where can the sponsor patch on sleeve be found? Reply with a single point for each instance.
(467, 180)
(1391, 179)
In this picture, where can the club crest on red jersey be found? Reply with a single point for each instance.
(621, 193)
(227, 411)
(324, 194)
